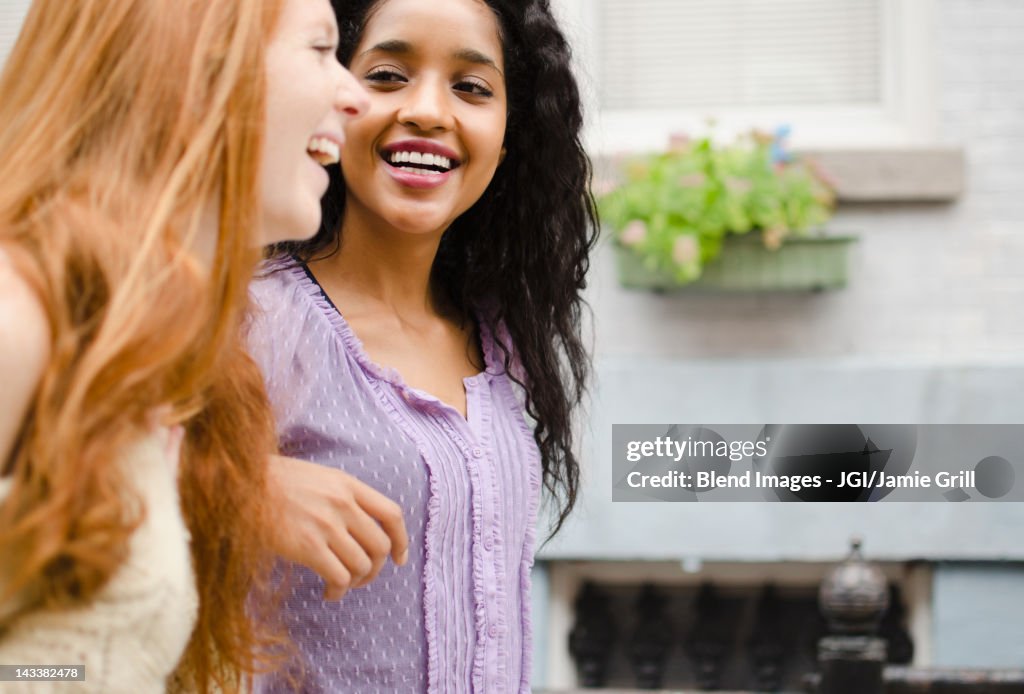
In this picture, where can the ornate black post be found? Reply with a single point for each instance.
(898, 644)
(652, 639)
(709, 640)
(766, 642)
(853, 599)
(592, 636)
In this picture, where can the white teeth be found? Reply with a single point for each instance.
(421, 172)
(324, 151)
(419, 158)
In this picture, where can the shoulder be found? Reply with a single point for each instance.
(277, 298)
(274, 282)
(22, 314)
(24, 348)
(287, 319)
(24, 328)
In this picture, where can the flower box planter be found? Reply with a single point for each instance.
(812, 263)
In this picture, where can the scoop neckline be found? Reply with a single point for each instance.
(300, 271)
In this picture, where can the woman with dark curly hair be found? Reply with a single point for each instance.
(438, 305)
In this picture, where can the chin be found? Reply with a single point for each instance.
(414, 219)
(419, 226)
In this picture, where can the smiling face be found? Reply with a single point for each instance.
(432, 136)
(310, 99)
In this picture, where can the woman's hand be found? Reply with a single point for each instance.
(336, 525)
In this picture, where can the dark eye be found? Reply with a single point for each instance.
(474, 87)
(385, 75)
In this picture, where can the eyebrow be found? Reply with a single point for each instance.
(331, 28)
(468, 55)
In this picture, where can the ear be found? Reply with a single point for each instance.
(501, 157)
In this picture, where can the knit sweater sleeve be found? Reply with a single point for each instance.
(132, 634)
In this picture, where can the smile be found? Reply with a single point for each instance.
(428, 161)
(420, 163)
(325, 150)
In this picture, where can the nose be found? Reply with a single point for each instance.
(350, 98)
(426, 105)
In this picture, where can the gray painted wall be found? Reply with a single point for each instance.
(978, 618)
(931, 330)
(791, 391)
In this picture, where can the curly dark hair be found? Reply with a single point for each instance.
(540, 225)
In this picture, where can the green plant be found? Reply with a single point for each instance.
(675, 208)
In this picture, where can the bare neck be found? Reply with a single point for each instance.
(383, 269)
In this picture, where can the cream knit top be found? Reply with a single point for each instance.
(132, 635)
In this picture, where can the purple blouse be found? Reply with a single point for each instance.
(456, 617)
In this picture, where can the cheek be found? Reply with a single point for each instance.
(270, 172)
(489, 144)
(298, 96)
(498, 130)
(361, 133)
(278, 92)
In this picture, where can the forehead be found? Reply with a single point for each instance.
(445, 26)
(300, 14)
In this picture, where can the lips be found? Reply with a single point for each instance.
(420, 164)
(325, 148)
(420, 157)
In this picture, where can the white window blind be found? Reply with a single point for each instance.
(701, 54)
(12, 14)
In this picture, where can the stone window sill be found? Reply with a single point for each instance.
(927, 174)
(894, 175)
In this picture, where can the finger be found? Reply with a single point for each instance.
(377, 548)
(371, 537)
(334, 592)
(389, 515)
(357, 562)
(327, 565)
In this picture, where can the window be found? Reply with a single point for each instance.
(12, 14)
(840, 73)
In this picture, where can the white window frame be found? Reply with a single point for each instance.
(906, 117)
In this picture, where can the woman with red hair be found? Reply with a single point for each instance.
(138, 183)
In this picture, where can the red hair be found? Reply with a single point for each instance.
(122, 122)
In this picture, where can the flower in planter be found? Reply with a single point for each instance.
(676, 208)
(634, 233)
(773, 238)
(692, 180)
(686, 250)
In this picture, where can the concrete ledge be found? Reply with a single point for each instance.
(910, 175)
(860, 175)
